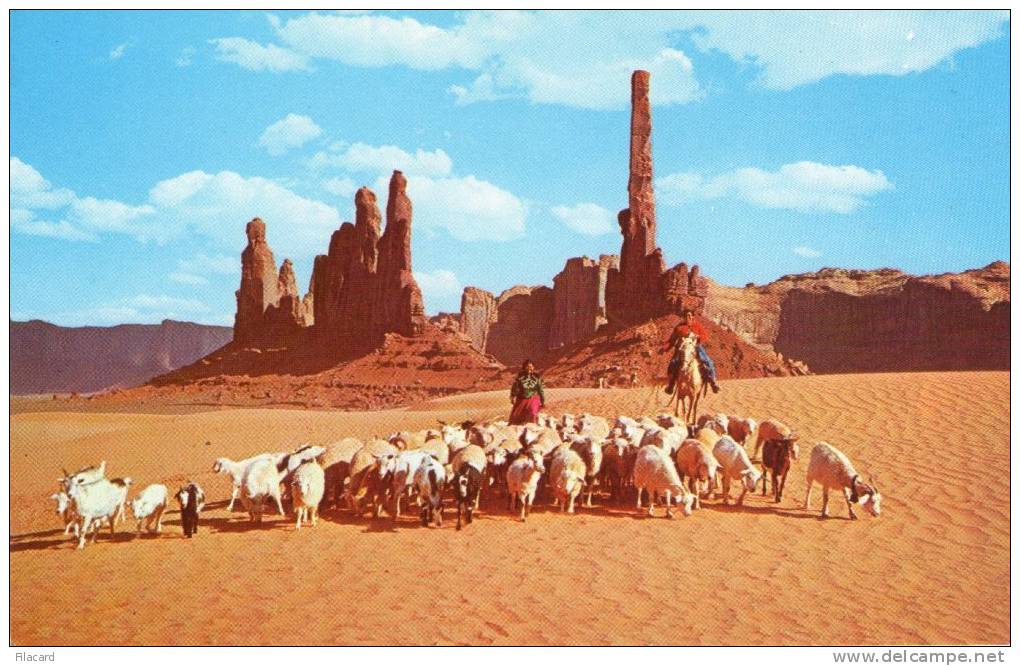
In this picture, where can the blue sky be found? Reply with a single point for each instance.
(142, 142)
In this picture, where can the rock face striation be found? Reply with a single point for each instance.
(839, 320)
(527, 322)
(360, 290)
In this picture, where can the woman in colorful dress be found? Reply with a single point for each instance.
(526, 396)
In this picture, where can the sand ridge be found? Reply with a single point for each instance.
(933, 569)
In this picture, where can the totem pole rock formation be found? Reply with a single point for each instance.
(642, 288)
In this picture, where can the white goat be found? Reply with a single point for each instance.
(522, 480)
(149, 506)
(654, 472)
(261, 482)
(402, 467)
(308, 483)
(236, 470)
(734, 465)
(567, 472)
(831, 468)
(95, 500)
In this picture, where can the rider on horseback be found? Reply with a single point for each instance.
(688, 325)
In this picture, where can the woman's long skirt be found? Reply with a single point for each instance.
(526, 410)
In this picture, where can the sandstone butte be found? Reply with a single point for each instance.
(359, 338)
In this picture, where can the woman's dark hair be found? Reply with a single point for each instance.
(524, 366)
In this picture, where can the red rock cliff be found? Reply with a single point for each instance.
(839, 320)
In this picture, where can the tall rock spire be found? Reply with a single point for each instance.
(259, 283)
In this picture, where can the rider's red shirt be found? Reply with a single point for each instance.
(682, 331)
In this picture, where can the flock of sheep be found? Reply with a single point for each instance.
(566, 459)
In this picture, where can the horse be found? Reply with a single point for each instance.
(690, 386)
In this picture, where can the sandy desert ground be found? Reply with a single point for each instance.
(933, 569)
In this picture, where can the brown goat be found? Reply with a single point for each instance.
(777, 455)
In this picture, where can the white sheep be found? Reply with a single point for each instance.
(698, 467)
(654, 472)
(831, 468)
(667, 440)
(566, 472)
(260, 483)
(522, 480)
(148, 508)
(734, 465)
(590, 450)
(718, 422)
(307, 486)
(236, 469)
(595, 427)
(400, 468)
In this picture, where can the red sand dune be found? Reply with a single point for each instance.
(933, 569)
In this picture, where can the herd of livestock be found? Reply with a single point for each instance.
(566, 459)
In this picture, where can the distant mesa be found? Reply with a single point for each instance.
(46, 358)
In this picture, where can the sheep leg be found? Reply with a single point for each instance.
(279, 504)
(639, 499)
(669, 509)
(459, 504)
(782, 484)
(651, 503)
(726, 490)
(233, 497)
(740, 500)
(299, 513)
(849, 504)
(83, 532)
(825, 501)
(765, 481)
(775, 486)
(524, 506)
(807, 498)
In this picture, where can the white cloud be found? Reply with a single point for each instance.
(805, 251)
(586, 218)
(441, 290)
(257, 57)
(291, 132)
(468, 209)
(342, 187)
(361, 157)
(24, 221)
(377, 41)
(583, 58)
(118, 52)
(30, 190)
(802, 186)
(184, 59)
(214, 206)
(795, 48)
(218, 205)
